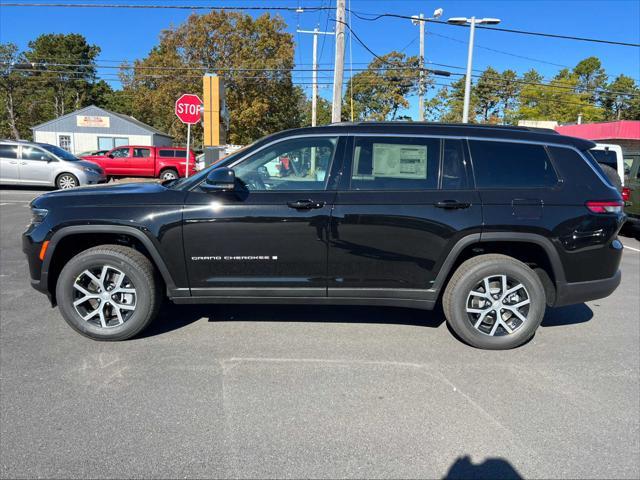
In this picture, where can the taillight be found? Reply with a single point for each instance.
(605, 207)
(626, 194)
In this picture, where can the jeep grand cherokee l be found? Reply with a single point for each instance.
(496, 223)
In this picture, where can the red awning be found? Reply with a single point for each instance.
(622, 130)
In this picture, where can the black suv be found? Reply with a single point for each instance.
(494, 222)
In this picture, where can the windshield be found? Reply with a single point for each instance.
(60, 153)
(201, 175)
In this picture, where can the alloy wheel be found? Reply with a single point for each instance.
(498, 305)
(67, 181)
(169, 176)
(104, 296)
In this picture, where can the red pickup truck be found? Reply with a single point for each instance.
(143, 161)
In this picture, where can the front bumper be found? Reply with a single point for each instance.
(579, 292)
(93, 178)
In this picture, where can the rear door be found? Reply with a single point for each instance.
(141, 162)
(9, 169)
(35, 166)
(402, 204)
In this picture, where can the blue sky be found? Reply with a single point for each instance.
(130, 34)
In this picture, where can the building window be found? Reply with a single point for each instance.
(65, 142)
(107, 143)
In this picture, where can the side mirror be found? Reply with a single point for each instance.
(219, 180)
(110, 155)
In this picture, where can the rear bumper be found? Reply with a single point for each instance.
(579, 292)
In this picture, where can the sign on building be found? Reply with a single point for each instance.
(92, 121)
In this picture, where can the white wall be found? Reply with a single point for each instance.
(81, 142)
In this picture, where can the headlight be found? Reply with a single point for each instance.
(92, 170)
(37, 215)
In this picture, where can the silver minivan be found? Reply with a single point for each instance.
(29, 163)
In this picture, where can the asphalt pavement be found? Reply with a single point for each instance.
(294, 391)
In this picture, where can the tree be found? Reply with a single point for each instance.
(508, 92)
(254, 56)
(590, 76)
(11, 87)
(381, 90)
(436, 106)
(323, 111)
(622, 99)
(69, 71)
(487, 94)
(455, 102)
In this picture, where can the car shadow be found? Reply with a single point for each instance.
(491, 468)
(173, 317)
(30, 188)
(569, 315)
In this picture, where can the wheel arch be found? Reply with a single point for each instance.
(93, 235)
(533, 249)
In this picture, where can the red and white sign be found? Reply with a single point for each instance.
(188, 108)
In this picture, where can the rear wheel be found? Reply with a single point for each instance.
(109, 292)
(169, 174)
(66, 181)
(494, 302)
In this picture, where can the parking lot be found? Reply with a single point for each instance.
(294, 391)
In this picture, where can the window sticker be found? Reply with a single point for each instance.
(400, 161)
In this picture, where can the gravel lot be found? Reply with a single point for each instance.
(278, 391)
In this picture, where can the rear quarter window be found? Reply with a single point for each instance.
(166, 153)
(499, 165)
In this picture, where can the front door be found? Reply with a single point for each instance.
(269, 236)
(402, 203)
(35, 166)
(117, 162)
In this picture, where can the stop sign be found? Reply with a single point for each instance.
(188, 108)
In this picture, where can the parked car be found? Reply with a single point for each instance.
(29, 163)
(496, 223)
(610, 158)
(92, 153)
(631, 193)
(167, 163)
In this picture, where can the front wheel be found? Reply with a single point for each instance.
(109, 292)
(66, 181)
(494, 302)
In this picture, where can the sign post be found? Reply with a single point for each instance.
(188, 110)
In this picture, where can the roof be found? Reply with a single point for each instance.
(532, 134)
(94, 109)
(620, 130)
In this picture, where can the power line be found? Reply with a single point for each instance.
(312, 9)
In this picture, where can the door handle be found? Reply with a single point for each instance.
(305, 204)
(14, 163)
(452, 204)
(23, 163)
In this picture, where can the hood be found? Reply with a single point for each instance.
(86, 163)
(123, 194)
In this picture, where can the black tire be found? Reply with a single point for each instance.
(613, 176)
(169, 174)
(67, 180)
(137, 269)
(471, 274)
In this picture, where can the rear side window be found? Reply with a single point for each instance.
(386, 163)
(8, 151)
(511, 165)
(605, 157)
(180, 153)
(166, 153)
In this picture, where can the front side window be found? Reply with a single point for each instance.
(388, 163)
(33, 153)
(141, 152)
(297, 164)
(511, 165)
(120, 153)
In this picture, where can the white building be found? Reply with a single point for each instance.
(94, 128)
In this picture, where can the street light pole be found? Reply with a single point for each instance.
(314, 89)
(467, 79)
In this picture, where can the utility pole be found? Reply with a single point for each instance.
(314, 92)
(421, 21)
(338, 69)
